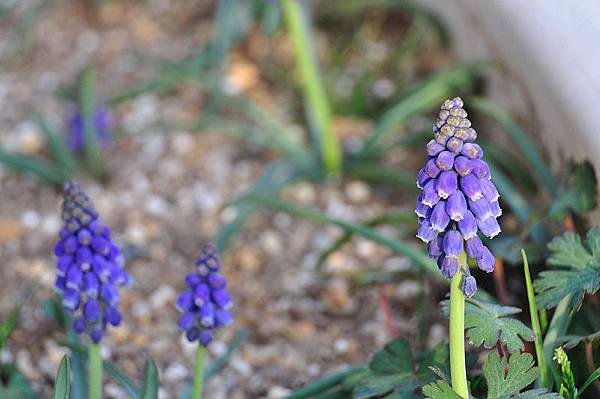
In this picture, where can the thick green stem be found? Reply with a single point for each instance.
(458, 370)
(314, 91)
(199, 372)
(95, 370)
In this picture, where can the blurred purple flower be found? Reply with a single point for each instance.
(459, 199)
(89, 266)
(103, 122)
(205, 303)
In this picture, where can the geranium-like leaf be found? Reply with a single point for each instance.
(393, 374)
(579, 272)
(486, 323)
(521, 373)
(440, 390)
(537, 394)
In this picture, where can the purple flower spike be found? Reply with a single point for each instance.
(481, 208)
(470, 185)
(489, 190)
(434, 148)
(426, 233)
(489, 227)
(445, 160)
(432, 169)
(469, 286)
(468, 225)
(447, 184)
(486, 261)
(453, 244)
(430, 195)
(456, 206)
(471, 151)
(88, 276)
(439, 219)
(458, 199)
(448, 266)
(205, 302)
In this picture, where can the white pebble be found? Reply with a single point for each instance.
(278, 392)
(30, 219)
(162, 296)
(176, 372)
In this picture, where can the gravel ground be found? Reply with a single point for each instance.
(164, 198)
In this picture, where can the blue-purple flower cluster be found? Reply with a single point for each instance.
(89, 266)
(205, 304)
(103, 123)
(458, 197)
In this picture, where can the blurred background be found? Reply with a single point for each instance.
(288, 132)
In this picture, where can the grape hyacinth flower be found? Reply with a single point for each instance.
(89, 266)
(103, 123)
(205, 303)
(205, 306)
(459, 200)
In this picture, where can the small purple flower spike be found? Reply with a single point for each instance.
(103, 122)
(205, 303)
(89, 266)
(459, 199)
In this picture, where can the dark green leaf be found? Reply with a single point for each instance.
(13, 384)
(119, 376)
(62, 383)
(578, 194)
(541, 393)
(395, 358)
(57, 145)
(43, 170)
(521, 373)
(220, 362)
(440, 390)
(151, 380)
(8, 325)
(486, 323)
(579, 272)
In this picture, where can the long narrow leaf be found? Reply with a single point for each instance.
(323, 384)
(57, 146)
(62, 384)
(403, 217)
(119, 376)
(219, 363)
(151, 380)
(87, 105)
(519, 137)
(373, 172)
(535, 324)
(593, 377)
(26, 164)
(420, 258)
(427, 95)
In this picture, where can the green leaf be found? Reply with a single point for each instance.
(396, 358)
(13, 384)
(151, 380)
(43, 170)
(393, 372)
(579, 272)
(486, 323)
(578, 194)
(8, 325)
(62, 384)
(87, 105)
(59, 149)
(521, 373)
(220, 362)
(119, 376)
(425, 96)
(541, 393)
(324, 384)
(417, 256)
(440, 390)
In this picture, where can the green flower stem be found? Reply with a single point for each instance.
(314, 91)
(535, 323)
(95, 370)
(458, 370)
(199, 372)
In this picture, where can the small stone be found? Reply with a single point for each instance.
(341, 345)
(248, 259)
(304, 193)
(10, 230)
(358, 191)
(176, 372)
(278, 392)
(407, 290)
(30, 219)
(114, 391)
(241, 366)
(162, 296)
(437, 333)
(336, 298)
(271, 242)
